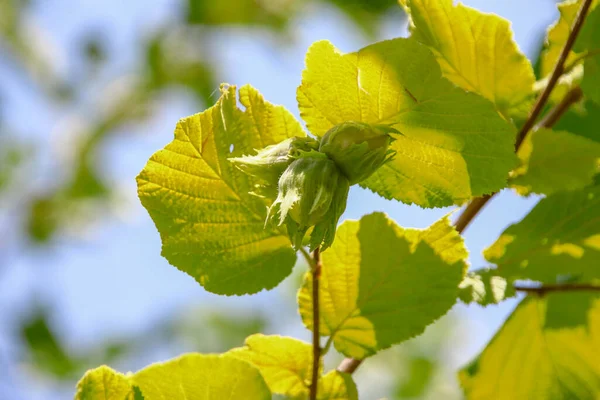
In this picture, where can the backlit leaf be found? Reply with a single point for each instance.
(454, 145)
(382, 284)
(191, 376)
(588, 44)
(210, 226)
(559, 237)
(104, 383)
(337, 386)
(485, 287)
(556, 39)
(553, 161)
(285, 363)
(541, 353)
(476, 51)
(582, 121)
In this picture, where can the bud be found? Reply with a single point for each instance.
(357, 148)
(312, 192)
(269, 163)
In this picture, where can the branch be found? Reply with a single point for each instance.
(471, 211)
(565, 287)
(316, 274)
(554, 115)
(556, 73)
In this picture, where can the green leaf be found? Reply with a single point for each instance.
(285, 363)
(485, 287)
(531, 359)
(588, 43)
(104, 383)
(191, 376)
(553, 161)
(583, 121)
(557, 36)
(454, 144)
(560, 236)
(337, 386)
(381, 284)
(556, 39)
(476, 51)
(210, 226)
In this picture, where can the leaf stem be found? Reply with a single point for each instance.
(565, 287)
(316, 342)
(309, 258)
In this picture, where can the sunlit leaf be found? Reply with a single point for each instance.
(191, 376)
(541, 352)
(476, 51)
(337, 386)
(454, 144)
(582, 121)
(559, 238)
(210, 225)
(285, 363)
(485, 287)
(588, 44)
(556, 39)
(381, 284)
(555, 160)
(104, 383)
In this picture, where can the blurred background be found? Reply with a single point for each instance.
(88, 91)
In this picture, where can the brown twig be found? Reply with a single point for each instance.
(471, 211)
(554, 115)
(565, 287)
(316, 340)
(349, 365)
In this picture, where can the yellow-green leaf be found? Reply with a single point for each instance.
(211, 226)
(104, 383)
(337, 386)
(485, 287)
(191, 376)
(557, 36)
(454, 145)
(476, 51)
(382, 284)
(553, 161)
(541, 352)
(556, 39)
(588, 44)
(560, 236)
(285, 363)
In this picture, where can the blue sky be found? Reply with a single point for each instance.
(111, 280)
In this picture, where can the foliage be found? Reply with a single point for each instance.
(559, 334)
(241, 184)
